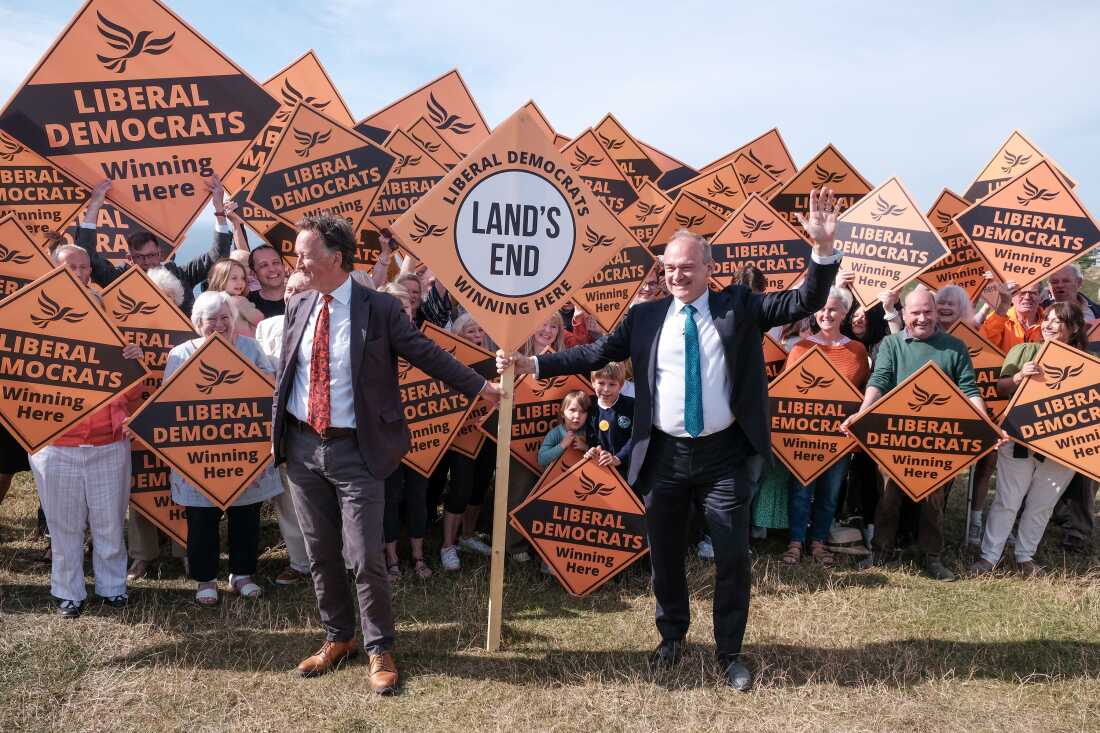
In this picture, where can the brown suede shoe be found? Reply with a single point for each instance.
(383, 673)
(330, 655)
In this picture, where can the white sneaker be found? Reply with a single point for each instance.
(448, 556)
(546, 569)
(705, 548)
(473, 544)
(521, 557)
(974, 530)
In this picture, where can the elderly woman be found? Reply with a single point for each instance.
(83, 481)
(1022, 477)
(213, 313)
(850, 359)
(952, 305)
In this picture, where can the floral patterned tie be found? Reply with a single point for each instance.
(320, 410)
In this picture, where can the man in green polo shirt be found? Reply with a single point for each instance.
(899, 355)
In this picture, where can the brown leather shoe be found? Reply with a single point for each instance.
(329, 656)
(383, 673)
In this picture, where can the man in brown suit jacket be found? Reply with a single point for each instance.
(339, 425)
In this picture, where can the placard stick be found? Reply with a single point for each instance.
(969, 499)
(500, 508)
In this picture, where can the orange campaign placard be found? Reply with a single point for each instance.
(113, 226)
(686, 212)
(596, 167)
(775, 357)
(513, 232)
(211, 421)
(540, 119)
(21, 261)
(130, 92)
(587, 525)
(673, 172)
(1012, 158)
(1030, 226)
(633, 161)
(608, 295)
(829, 169)
(886, 241)
(644, 216)
(445, 103)
(39, 193)
(413, 174)
(60, 359)
(151, 494)
(434, 411)
(757, 235)
(1058, 415)
(753, 177)
(471, 437)
(767, 151)
(808, 402)
(720, 190)
(987, 360)
(964, 265)
(431, 142)
(282, 237)
(924, 432)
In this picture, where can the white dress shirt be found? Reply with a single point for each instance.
(341, 389)
(668, 410)
(269, 332)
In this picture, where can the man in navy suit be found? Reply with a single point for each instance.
(701, 409)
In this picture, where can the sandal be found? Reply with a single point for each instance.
(207, 594)
(394, 570)
(245, 587)
(421, 568)
(793, 553)
(821, 555)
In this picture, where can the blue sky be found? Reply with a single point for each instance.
(926, 91)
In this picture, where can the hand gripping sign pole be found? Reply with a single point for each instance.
(500, 508)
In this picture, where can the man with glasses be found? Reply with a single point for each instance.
(1005, 327)
(146, 252)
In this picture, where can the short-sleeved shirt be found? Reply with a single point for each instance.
(900, 355)
(269, 308)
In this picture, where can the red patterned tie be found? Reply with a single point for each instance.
(320, 411)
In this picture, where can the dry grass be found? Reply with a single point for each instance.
(841, 650)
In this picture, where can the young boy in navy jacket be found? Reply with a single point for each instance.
(611, 419)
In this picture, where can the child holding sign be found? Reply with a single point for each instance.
(569, 434)
(611, 420)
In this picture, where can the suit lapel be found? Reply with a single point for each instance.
(359, 304)
(721, 312)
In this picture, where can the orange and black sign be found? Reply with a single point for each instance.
(132, 93)
(1011, 159)
(827, 169)
(757, 235)
(767, 151)
(599, 170)
(21, 261)
(753, 177)
(608, 295)
(151, 494)
(1059, 414)
(720, 190)
(424, 134)
(775, 357)
(445, 103)
(964, 265)
(587, 525)
(686, 212)
(1094, 337)
(413, 174)
(1030, 226)
(60, 359)
(924, 432)
(808, 402)
(434, 410)
(470, 436)
(644, 216)
(113, 226)
(281, 237)
(540, 119)
(318, 165)
(211, 421)
(39, 193)
(632, 160)
(987, 360)
(886, 241)
(513, 232)
(673, 172)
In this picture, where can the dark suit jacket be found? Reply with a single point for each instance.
(380, 332)
(741, 318)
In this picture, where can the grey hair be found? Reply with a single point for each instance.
(704, 245)
(394, 289)
(962, 302)
(843, 295)
(209, 303)
(461, 322)
(363, 278)
(63, 248)
(167, 283)
(1073, 266)
(915, 292)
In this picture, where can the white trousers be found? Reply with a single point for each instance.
(1040, 483)
(82, 488)
(288, 526)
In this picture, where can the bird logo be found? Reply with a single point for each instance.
(646, 210)
(444, 121)
(885, 208)
(590, 487)
(770, 169)
(747, 178)
(611, 143)
(426, 144)
(309, 140)
(823, 176)
(403, 369)
(10, 255)
(811, 381)
(751, 226)
(424, 230)
(944, 222)
(405, 159)
(595, 240)
(52, 312)
(719, 188)
(122, 39)
(214, 377)
(292, 97)
(10, 149)
(688, 221)
(582, 159)
(974, 351)
(130, 307)
(1034, 193)
(925, 398)
(1013, 160)
(545, 385)
(1056, 375)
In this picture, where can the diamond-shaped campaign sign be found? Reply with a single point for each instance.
(757, 235)
(964, 265)
(600, 171)
(39, 193)
(987, 360)
(1012, 158)
(588, 525)
(827, 169)
(775, 357)
(767, 151)
(21, 261)
(686, 212)
(924, 432)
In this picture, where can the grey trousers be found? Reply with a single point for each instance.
(340, 507)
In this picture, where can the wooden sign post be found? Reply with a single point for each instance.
(500, 509)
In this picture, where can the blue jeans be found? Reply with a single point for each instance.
(822, 492)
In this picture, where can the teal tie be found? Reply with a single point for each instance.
(693, 376)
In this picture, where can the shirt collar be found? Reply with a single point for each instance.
(342, 294)
(701, 304)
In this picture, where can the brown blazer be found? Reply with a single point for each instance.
(380, 332)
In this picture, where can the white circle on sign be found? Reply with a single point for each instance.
(514, 233)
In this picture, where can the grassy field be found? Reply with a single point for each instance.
(884, 650)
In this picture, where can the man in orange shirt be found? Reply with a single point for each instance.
(1007, 327)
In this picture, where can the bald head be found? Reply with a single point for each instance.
(1065, 283)
(76, 259)
(919, 313)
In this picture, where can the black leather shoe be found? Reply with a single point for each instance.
(119, 601)
(69, 609)
(738, 676)
(666, 656)
(937, 570)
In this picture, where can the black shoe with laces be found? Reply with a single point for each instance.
(70, 609)
(738, 675)
(666, 655)
(119, 601)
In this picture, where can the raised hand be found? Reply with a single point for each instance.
(217, 194)
(820, 224)
(95, 201)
